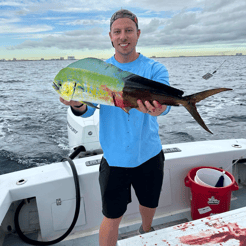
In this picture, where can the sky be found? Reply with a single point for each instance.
(35, 29)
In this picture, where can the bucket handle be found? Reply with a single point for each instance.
(235, 186)
(187, 181)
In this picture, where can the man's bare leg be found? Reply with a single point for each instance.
(147, 217)
(108, 233)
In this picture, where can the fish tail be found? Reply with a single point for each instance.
(191, 100)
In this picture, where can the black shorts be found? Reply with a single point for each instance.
(115, 184)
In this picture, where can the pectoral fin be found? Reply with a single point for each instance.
(90, 104)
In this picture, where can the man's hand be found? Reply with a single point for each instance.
(74, 104)
(147, 108)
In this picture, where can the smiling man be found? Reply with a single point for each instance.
(132, 148)
(124, 35)
(145, 174)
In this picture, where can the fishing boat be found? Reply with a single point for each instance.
(41, 203)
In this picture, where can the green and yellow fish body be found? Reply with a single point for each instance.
(92, 80)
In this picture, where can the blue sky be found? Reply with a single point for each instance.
(58, 28)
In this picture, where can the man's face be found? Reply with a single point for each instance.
(124, 36)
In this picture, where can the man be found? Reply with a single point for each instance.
(131, 143)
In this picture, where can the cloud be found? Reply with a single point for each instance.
(78, 40)
(213, 6)
(95, 32)
(15, 29)
(80, 6)
(85, 22)
(160, 5)
(152, 26)
(10, 3)
(224, 24)
(175, 23)
(181, 21)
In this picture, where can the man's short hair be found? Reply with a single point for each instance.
(124, 13)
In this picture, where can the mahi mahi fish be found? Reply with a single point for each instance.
(92, 80)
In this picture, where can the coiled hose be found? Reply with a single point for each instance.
(77, 208)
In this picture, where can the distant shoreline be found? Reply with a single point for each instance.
(153, 57)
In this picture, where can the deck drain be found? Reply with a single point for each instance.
(236, 146)
(21, 182)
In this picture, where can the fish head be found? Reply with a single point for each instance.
(64, 86)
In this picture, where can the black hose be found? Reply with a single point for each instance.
(77, 208)
(77, 151)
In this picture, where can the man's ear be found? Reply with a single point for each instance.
(138, 32)
(111, 38)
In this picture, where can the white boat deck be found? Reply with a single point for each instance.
(171, 235)
(219, 230)
(55, 182)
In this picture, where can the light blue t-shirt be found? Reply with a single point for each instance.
(129, 140)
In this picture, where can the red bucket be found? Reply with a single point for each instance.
(206, 201)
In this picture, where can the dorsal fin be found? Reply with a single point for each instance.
(100, 67)
(137, 82)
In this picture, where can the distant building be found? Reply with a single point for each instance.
(61, 58)
(14, 59)
(42, 59)
(71, 58)
(239, 54)
(2, 60)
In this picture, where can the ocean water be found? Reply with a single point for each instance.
(33, 121)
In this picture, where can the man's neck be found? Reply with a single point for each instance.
(121, 58)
